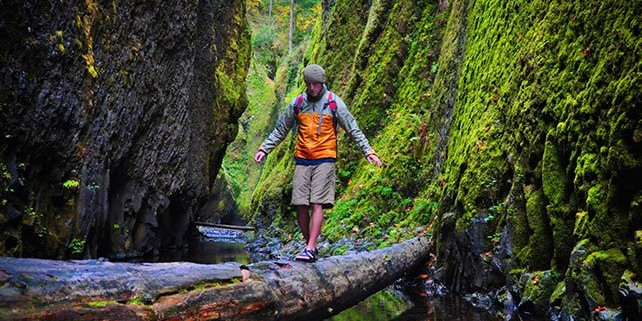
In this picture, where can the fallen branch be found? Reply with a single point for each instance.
(231, 227)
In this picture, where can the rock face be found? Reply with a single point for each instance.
(115, 117)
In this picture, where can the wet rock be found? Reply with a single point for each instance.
(607, 314)
(469, 261)
(631, 296)
(480, 300)
(506, 300)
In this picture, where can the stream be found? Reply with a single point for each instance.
(217, 245)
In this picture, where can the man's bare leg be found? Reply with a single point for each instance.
(316, 221)
(303, 217)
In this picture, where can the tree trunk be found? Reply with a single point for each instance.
(291, 29)
(34, 289)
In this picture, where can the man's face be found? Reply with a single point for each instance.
(314, 88)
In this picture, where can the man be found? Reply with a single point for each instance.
(317, 113)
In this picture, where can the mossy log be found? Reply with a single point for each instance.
(35, 289)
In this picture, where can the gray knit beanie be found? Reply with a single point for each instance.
(314, 73)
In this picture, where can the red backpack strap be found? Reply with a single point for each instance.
(331, 102)
(333, 108)
(297, 105)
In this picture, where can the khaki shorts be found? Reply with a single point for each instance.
(314, 184)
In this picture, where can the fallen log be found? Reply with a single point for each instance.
(34, 289)
(226, 226)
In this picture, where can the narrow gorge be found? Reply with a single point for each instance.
(510, 131)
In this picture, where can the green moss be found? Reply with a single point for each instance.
(553, 174)
(540, 245)
(609, 266)
(604, 226)
(101, 304)
(581, 225)
(561, 223)
(517, 219)
(558, 294)
(538, 288)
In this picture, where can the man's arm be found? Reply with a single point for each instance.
(349, 124)
(283, 126)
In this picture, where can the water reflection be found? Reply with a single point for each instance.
(218, 252)
(388, 305)
(218, 245)
(391, 305)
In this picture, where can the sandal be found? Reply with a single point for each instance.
(306, 256)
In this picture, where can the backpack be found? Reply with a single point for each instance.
(330, 103)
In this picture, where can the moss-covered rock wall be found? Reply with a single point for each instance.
(510, 130)
(115, 117)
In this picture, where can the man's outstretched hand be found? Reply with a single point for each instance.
(372, 158)
(259, 156)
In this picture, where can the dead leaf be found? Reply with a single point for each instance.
(586, 52)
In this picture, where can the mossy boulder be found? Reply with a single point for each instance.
(536, 289)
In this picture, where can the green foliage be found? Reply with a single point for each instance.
(71, 184)
(270, 32)
(5, 186)
(76, 246)
(239, 168)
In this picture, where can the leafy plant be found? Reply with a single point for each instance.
(495, 237)
(76, 246)
(71, 184)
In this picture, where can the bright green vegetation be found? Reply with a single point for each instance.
(524, 114)
(239, 167)
(71, 184)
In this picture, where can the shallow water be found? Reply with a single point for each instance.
(217, 246)
(393, 305)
